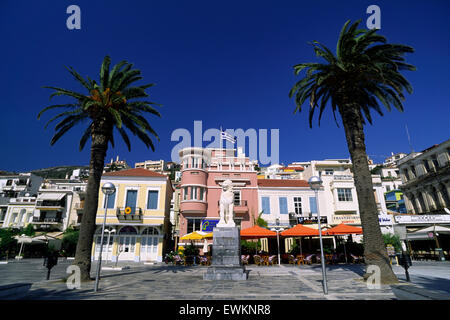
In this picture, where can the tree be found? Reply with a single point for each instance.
(364, 71)
(260, 222)
(111, 103)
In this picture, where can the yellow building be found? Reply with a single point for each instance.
(137, 216)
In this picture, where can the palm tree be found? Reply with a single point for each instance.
(111, 103)
(364, 71)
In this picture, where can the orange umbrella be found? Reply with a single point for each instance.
(257, 232)
(343, 229)
(301, 231)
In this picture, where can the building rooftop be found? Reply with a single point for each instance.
(289, 183)
(136, 172)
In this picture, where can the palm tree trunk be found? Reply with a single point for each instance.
(374, 249)
(87, 228)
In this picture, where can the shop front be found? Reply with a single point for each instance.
(427, 236)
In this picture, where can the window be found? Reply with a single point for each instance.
(237, 197)
(194, 193)
(194, 225)
(298, 205)
(152, 200)
(185, 193)
(265, 201)
(111, 200)
(388, 188)
(344, 194)
(312, 204)
(329, 172)
(283, 205)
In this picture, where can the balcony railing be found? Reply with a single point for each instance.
(47, 220)
(237, 203)
(129, 213)
(343, 177)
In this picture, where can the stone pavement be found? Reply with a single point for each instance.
(168, 282)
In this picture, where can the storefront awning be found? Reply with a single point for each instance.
(257, 232)
(51, 196)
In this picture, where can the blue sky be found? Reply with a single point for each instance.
(226, 63)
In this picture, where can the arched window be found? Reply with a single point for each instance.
(128, 230)
(150, 231)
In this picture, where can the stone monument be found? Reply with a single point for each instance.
(226, 249)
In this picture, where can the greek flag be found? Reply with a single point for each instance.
(227, 136)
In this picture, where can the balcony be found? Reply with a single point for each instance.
(240, 206)
(193, 206)
(343, 177)
(48, 223)
(129, 214)
(50, 205)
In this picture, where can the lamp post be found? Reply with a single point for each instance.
(278, 239)
(108, 189)
(107, 242)
(315, 183)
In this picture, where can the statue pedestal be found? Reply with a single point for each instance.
(226, 256)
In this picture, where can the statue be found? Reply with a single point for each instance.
(226, 205)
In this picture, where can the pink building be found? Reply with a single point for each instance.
(202, 173)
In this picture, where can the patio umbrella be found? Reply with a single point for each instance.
(344, 229)
(205, 235)
(192, 236)
(257, 232)
(300, 231)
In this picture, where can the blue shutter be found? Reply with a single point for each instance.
(283, 205)
(265, 205)
(152, 200)
(313, 204)
(111, 200)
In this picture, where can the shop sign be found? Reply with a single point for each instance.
(350, 219)
(385, 220)
(390, 250)
(312, 220)
(209, 224)
(424, 219)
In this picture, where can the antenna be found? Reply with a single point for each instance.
(409, 139)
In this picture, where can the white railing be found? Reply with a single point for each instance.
(343, 177)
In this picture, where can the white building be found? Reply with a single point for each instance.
(426, 179)
(288, 200)
(341, 201)
(394, 159)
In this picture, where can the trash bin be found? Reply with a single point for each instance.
(441, 254)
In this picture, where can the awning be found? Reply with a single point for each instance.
(196, 235)
(438, 229)
(257, 232)
(301, 231)
(343, 229)
(427, 233)
(51, 196)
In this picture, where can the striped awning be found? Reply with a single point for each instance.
(53, 196)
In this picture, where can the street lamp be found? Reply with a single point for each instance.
(108, 189)
(107, 242)
(315, 183)
(278, 239)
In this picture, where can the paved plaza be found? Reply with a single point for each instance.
(138, 281)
